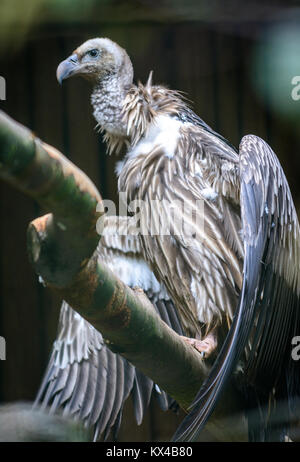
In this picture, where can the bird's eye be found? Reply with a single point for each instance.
(93, 53)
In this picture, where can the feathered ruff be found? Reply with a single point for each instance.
(145, 102)
(114, 143)
(141, 105)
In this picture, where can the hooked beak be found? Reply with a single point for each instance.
(67, 68)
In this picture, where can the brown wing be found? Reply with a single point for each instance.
(268, 314)
(83, 376)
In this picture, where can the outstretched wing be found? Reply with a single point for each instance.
(267, 317)
(83, 376)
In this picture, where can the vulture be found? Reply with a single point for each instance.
(217, 232)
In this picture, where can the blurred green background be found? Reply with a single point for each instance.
(236, 62)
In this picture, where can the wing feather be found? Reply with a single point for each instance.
(83, 376)
(267, 317)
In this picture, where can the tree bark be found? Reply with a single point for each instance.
(61, 247)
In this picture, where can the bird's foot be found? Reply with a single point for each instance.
(206, 347)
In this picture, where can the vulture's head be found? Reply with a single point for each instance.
(97, 60)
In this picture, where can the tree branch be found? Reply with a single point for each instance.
(62, 247)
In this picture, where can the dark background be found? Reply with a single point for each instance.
(235, 60)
